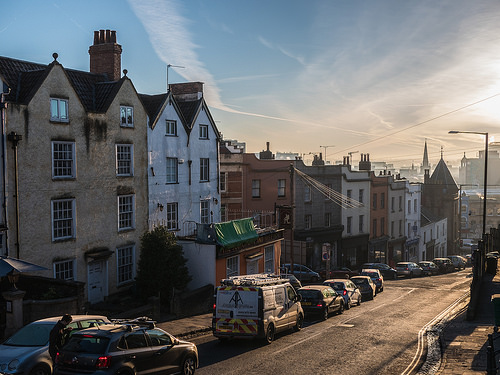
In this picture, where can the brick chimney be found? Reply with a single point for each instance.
(105, 55)
(187, 91)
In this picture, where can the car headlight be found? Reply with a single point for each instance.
(13, 364)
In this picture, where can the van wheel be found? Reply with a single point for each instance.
(299, 323)
(270, 334)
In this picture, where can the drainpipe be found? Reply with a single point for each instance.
(3, 107)
(15, 138)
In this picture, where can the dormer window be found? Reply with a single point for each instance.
(59, 110)
(127, 117)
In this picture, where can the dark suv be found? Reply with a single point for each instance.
(135, 347)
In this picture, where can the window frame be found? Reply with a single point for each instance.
(69, 269)
(124, 167)
(205, 211)
(307, 221)
(58, 117)
(126, 217)
(126, 123)
(349, 225)
(172, 214)
(203, 131)
(171, 128)
(128, 268)
(71, 227)
(281, 188)
(269, 259)
(256, 188)
(204, 169)
(223, 181)
(233, 266)
(62, 161)
(171, 170)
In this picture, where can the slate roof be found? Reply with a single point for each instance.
(24, 78)
(427, 216)
(189, 110)
(153, 104)
(442, 175)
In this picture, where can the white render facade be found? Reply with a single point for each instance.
(183, 160)
(434, 240)
(356, 185)
(413, 194)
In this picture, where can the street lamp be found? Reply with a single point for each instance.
(485, 170)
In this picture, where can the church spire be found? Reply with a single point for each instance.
(425, 161)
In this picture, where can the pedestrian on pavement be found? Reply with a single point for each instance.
(58, 335)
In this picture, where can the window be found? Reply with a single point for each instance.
(126, 212)
(171, 128)
(223, 181)
(349, 196)
(415, 205)
(400, 227)
(59, 110)
(63, 160)
(361, 223)
(307, 221)
(64, 270)
(124, 160)
(255, 188)
(382, 200)
(63, 219)
(204, 171)
(307, 193)
(232, 266)
(409, 229)
(374, 201)
(205, 211)
(400, 203)
(172, 216)
(392, 228)
(328, 196)
(328, 219)
(269, 259)
(409, 206)
(172, 167)
(349, 225)
(125, 264)
(281, 187)
(361, 195)
(203, 131)
(382, 226)
(393, 199)
(223, 212)
(374, 234)
(127, 116)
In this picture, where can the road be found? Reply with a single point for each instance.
(378, 337)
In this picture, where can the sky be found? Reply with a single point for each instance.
(376, 77)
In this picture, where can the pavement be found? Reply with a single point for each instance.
(462, 344)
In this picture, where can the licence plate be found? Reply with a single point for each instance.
(226, 327)
(306, 303)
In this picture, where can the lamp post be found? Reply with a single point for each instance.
(485, 170)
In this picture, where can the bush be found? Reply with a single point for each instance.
(162, 266)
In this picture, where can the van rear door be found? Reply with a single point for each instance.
(236, 310)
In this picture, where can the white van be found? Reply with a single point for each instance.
(255, 306)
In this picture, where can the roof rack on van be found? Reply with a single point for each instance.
(254, 280)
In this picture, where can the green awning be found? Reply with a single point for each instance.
(235, 232)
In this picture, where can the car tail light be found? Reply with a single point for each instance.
(57, 357)
(103, 362)
(344, 292)
(320, 304)
(215, 306)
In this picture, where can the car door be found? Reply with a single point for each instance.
(292, 306)
(166, 355)
(137, 350)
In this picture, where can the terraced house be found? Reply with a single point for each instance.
(75, 170)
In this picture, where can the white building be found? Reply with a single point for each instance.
(183, 152)
(413, 194)
(433, 233)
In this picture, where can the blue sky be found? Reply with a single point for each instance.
(374, 76)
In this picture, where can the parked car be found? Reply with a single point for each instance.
(376, 277)
(444, 264)
(458, 261)
(27, 350)
(365, 285)
(343, 273)
(292, 279)
(387, 271)
(301, 272)
(133, 347)
(409, 269)
(429, 268)
(347, 289)
(321, 300)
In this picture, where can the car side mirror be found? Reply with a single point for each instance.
(176, 341)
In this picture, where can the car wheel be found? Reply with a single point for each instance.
(348, 304)
(341, 308)
(325, 314)
(299, 323)
(40, 370)
(394, 276)
(359, 301)
(270, 334)
(188, 365)
(411, 275)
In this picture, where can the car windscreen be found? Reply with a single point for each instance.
(34, 334)
(87, 344)
(337, 286)
(359, 281)
(371, 274)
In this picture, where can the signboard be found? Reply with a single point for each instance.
(285, 217)
(325, 255)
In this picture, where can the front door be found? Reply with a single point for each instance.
(96, 281)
